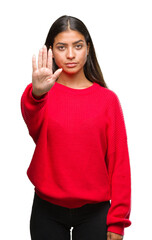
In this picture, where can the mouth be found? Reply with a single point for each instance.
(71, 64)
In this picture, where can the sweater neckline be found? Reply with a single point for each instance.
(75, 90)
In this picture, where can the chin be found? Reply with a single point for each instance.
(71, 71)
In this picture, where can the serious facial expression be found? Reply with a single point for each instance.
(70, 51)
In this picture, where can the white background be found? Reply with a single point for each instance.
(122, 35)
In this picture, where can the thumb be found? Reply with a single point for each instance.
(57, 74)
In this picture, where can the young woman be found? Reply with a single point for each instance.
(80, 167)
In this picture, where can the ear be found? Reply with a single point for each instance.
(52, 51)
(88, 48)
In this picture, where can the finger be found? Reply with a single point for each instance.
(44, 56)
(56, 74)
(34, 63)
(50, 59)
(40, 58)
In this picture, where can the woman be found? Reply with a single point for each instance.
(81, 159)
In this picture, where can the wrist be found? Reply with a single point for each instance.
(37, 96)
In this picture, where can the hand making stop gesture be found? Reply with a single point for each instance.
(43, 77)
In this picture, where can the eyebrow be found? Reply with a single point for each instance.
(72, 43)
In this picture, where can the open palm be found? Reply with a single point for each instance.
(43, 77)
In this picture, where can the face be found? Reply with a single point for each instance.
(70, 51)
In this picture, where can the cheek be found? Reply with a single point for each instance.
(58, 59)
(83, 57)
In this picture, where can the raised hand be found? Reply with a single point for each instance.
(42, 76)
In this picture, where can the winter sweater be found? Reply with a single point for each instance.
(81, 152)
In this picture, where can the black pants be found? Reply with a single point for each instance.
(53, 222)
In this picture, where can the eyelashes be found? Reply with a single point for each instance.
(78, 47)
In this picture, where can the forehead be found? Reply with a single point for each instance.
(69, 36)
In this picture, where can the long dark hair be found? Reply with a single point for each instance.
(92, 69)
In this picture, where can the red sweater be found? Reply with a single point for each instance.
(81, 154)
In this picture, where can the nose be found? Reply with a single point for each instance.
(70, 53)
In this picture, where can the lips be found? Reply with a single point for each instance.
(71, 64)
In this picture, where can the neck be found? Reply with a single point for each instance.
(77, 80)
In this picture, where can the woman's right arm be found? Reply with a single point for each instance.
(34, 98)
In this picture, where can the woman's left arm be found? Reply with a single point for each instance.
(119, 172)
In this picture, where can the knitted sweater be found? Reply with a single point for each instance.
(81, 154)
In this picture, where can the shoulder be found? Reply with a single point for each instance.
(110, 100)
(107, 93)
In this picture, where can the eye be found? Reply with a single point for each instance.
(61, 48)
(79, 46)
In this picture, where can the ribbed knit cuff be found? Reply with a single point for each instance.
(115, 228)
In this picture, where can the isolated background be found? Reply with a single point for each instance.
(122, 35)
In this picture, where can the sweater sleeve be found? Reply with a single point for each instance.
(33, 111)
(119, 171)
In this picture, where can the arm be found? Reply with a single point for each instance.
(34, 98)
(33, 111)
(119, 171)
